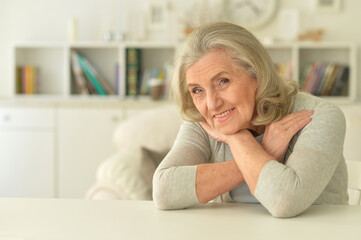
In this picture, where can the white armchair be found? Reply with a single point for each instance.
(142, 142)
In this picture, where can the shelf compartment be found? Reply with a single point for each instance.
(50, 62)
(103, 59)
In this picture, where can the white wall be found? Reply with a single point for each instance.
(47, 20)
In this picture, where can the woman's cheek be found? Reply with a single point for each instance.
(201, 107)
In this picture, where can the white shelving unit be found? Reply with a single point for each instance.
(56, 78)
(54, 61)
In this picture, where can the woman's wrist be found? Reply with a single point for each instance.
(239, 137)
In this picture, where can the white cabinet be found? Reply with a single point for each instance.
(27, 139)
(85, 140)
(54, 151)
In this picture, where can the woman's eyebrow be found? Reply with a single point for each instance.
(190, 85)
(215, 77)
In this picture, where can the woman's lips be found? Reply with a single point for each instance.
(224, 115)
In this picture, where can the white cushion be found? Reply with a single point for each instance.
(154, 129)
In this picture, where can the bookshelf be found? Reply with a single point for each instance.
(56, 79)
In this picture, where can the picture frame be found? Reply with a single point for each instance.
(327, 6)
(157, 16)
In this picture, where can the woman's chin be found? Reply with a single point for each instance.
(228, 131)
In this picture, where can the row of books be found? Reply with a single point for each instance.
(27, 79)
(325, 79)
(137, 81)
(87, 79)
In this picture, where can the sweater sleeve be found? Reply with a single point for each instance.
(286, 190)
(174, 180)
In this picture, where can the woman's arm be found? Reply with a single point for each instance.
(185, 177)
(217, 178)
(288, 189)
(249, 156)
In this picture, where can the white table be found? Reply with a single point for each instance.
(48, 219)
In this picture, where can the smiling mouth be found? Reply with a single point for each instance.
(224, 113)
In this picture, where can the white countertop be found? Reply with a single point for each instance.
(85, 219)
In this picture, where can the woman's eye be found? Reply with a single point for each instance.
(224, 81)
(196, 90)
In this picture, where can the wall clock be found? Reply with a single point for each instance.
(250, 13)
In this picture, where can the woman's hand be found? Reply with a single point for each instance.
(224, 138)
(278, 134)
(213, 132)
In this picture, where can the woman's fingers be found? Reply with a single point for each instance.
(278, 134)
(296, 121)
(298, 125)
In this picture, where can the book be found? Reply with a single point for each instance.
(307, 86)
(27, 80)
(117, 76)
(326, 71)
(132, 71)
(90, 86)
(102, 82)
(80, 80)
(318, 77)
(18, 86)
(90, 75)
(303, 77)
(340, 86)
(330, 80)
(35, 82)
(23, 80)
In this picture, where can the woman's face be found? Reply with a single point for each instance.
(222, 92)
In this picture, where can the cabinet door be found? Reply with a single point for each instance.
(27, 153)
(85, 140)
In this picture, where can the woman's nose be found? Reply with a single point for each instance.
(214, 101)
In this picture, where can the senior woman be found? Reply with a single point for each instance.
(249, 135)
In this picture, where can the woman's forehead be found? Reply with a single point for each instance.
(212, 63)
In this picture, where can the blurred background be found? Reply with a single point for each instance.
(73, 119)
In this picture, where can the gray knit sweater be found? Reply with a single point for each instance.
(313, 170)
